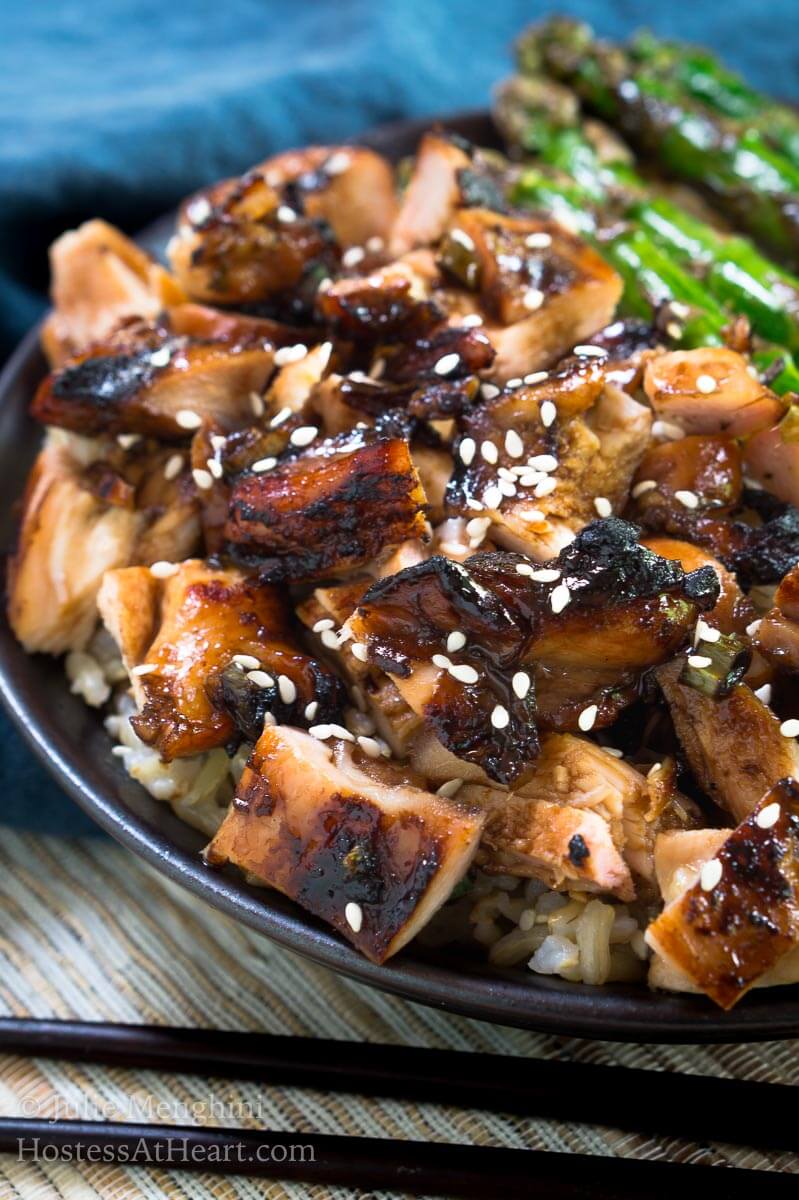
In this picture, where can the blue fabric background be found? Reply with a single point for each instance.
(118, 108)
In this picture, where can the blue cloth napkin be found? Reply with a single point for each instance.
(117, 108)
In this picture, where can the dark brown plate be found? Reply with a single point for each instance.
(71, 742)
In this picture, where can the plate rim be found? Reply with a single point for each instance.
(611, 1012)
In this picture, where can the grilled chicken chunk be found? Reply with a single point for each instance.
(375, 861)
(771, 459)
(733, 611)
(539, 480)
(777, 636)
(189, 632)
(327, 510)
(733, 745)
(605, 610)
(90, 507)
(432, 195)
(99, 278)
(349, 188)
(740, 920)
(710, 391)
(155, 385)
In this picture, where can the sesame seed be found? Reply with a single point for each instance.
(710, 875)
(369, 745)
(374, 244)
(545, 575)
(160, 357)
(280, 417)
(500, 717)
(286, 215)
(587, 717)
(163, 569)
(471, 321)
(311, 710)
(590, 351)
(462, 238)
(466, 450)
(353, 915)
(507, 473)
(269, 718)
(290, 354)
(476, 530)
(475, 505)
(548, 412)
(654, 769)
(674, 329)
(215, 467)
(489, 452)
(492, 496)
(533, 298)
(521, 684)
(187, 418)
(257, 404)
(322, 732)
(128, 440)
(173, 467)
(329, 639)
(768, 816)
(683, 311)
(359, 651)
(613, 752)
(441, 661)
(247, 662)
(538, 241)
(337, 163)
(324, 623)
(489, 391)
(646, 485)
(559, 598)
(753, 627)
(543, 462)
(516, 382)
(304, 435)
(705, 632)
(667, 430)
(524, 568)
(687, 499)
(764, 693)
(263, 464)
(351, 257)
(507, 488)
(261, 679)
(706, 384)
(377, 369)
(449, 788)
(218, 442)
(603, 506)
(545, 488)
(534, 516)
(447, 364)
(514, 444)
(463, 673)
(456, 641)
(287, 689)
(790, 728)
(700, 661)
(144, 669)
(203, 479)
(339, 731)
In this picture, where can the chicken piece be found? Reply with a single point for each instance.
(350, 188)
(771, 459)
(374, 861)
(294, 383)
(740, 920)
(562, 845)
(454, 635)
(777, 636)
(68, 538)
(733, 611)
(388, 304)
(433, 194)
(710, 391)
(543, 290)
(658, 807)
(165, 389)
(733, 745)
(238, 243)
(547, 478)
(187, 632)
(326, 511)
(203, 323)
(99, 278)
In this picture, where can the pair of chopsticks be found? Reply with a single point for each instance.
(648, 1102)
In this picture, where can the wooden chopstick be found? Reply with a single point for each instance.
(417, 1168)
(697, 1107)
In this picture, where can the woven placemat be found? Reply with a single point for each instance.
(90, 932)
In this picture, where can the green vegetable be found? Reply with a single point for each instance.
(729, 662)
